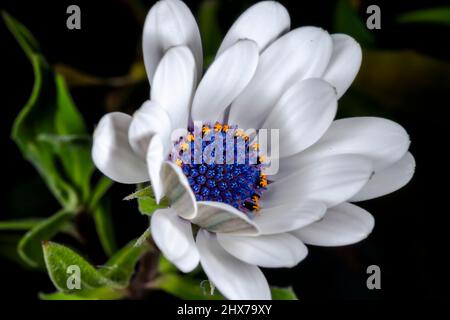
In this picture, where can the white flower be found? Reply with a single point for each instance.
(264, 76)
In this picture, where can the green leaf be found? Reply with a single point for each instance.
(165, 266)
(58, 258)
(185, 288)
(19, 225)
(209, 29)
(283, 293)
(104, 293)
(105, 229)
(143, 237)
(99, 191)
(60, 296)
(347, 20)
(146, 201)
(26, 40)
(121, 266)
(140, 193)
(74, 152)
(8, 248)
(439, 16)
(34, 119)
(147, 205)
(29, 247)
(49, 111)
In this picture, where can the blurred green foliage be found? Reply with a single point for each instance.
(439, 16)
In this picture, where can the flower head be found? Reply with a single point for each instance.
(257, 203)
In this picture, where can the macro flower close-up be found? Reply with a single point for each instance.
(248, 214)
(175, 150)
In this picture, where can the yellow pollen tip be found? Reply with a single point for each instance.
(262, 159)
(190, 137)
(184, 146)
(263, 180)
(225, 128)
(255, 146)
(217, 127)
(179, 162)
(206, 130)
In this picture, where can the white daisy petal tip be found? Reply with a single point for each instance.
(112, 153)
(344, 63)
(174, 238)
(263, 22)
(178, 191)
(342, 225)
(381, 140)
(331, 180)
(269, 251)
(169, 23)
(388, 180)
(234, 278)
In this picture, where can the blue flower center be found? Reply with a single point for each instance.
(222, 164)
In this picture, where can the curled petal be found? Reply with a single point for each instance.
(178, 191)
(111, 152)
(221, 217)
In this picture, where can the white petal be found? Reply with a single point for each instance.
(224, 81)
(388, 180)
(300, 54)
(174, 238)
(268, 251)
(178, 191)
(155, 157)
(262, 23)
(221, 217)
(148, 120)
(173, 84)
(288, 217)
(342, 225)
(111, 152)
(381, 140)
(331, 180)
(303, 114)
(169, 23)
(235, 279)
(344, 63)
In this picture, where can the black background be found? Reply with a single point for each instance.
(410, 239)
